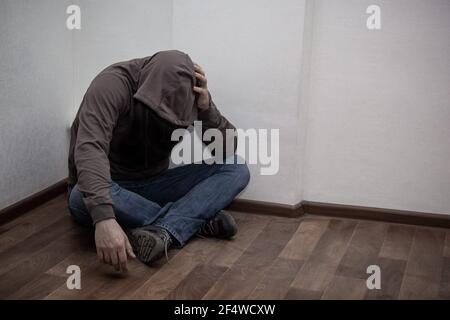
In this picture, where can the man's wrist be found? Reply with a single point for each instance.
(102, 212)
(206, 106)
(104, 222)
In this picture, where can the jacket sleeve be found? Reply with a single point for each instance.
(212, 119)
(98, 115)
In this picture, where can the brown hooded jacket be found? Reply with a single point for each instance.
(122, 130)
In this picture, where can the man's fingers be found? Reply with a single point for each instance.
(200, 89)
(129, 249)
(106, 258)
(114, 259)
(201, 77)
(199, 69)
(122, 255)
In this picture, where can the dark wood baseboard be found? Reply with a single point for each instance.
(270, 208)
(15, 210)
(341, 211)
(376, 214)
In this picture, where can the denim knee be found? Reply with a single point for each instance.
(240, 169)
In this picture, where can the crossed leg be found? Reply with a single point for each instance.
(179, 200)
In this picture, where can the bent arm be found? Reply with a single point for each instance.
(98, 115)
(212, 119)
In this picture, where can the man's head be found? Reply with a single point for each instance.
(166, 84)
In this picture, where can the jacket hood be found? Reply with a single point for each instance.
(165, 84)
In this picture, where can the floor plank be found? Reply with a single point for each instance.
(26, 225)
(37, 263)
(91, 279)
(363, 249)
(38, 214)
(319, 270)
(84, 258)
(424, 266)
(397, 243)
(444, 285)
(28, 246)
(53, 279)
(270, 258)
(229, 251)
(392, 271)
(345, 288)
(305, 239)
(302, 294)
(38, 288)
(277, 280)
(100, 281)
(447, 244)
(120, 287)
(197, 283)
(166, 279)
(248, 270)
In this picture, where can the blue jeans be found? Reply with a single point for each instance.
(179, 200)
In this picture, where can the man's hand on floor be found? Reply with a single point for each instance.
(112, 244)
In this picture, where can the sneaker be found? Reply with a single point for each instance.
(222, 226)
(149, 243)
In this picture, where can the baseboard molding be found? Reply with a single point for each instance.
(268, 208)
(342, 211)
(17, 209)
(376, 214)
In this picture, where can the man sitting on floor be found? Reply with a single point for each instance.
(120, 146)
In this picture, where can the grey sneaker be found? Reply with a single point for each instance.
(222, 226)
(149, 243)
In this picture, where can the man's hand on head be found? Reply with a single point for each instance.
(112, 244)
(201, 88)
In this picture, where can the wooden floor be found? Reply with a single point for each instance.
(271, 258)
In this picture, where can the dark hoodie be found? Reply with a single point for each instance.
(123, 127)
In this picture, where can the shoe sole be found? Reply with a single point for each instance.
(143, 244)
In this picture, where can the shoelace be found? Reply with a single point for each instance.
(208, 228)
(165, 236)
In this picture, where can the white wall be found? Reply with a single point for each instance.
(117, 30)
(379, 106)
(363, 115)
(45, 70)
(252, 53)
(35, 94)
(253, 66)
